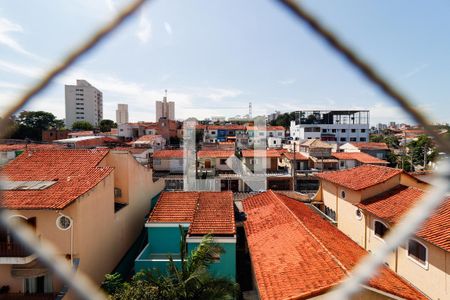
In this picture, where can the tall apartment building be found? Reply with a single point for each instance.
(165, 109)
(122, 114)
(84, 102)
(340, 126)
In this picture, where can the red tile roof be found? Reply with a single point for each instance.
(370, 145)
(298, 156)
(76, 172)
(361, 177)
(261, 153)
(17, 147)
(208, 212)
(392, 205)
(315, 143)
(168, 154)
(148, 138)
(297, 254)
(215, 153)
(360, 157)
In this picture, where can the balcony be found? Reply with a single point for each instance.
(13, 250)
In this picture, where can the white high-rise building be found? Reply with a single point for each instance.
(340, 126)
(83, 103)
(165, 109)
(122, 114)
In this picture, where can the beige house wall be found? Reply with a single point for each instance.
(373, 242)
(380, 188)
(101, 236)
(363, 294)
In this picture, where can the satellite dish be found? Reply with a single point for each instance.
(64, 222)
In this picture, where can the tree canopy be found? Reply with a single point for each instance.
(106, 125)
(82, 125)
(284, 120)
(30, 124)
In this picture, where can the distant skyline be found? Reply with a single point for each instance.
(214, 57)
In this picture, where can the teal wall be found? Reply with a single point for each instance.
(164, 239)
(226, 267)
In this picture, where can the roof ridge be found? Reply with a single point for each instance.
(311, 234)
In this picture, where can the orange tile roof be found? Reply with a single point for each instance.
(17, 147)
(370, 145)
(81, 133)
(208, 212)
(298, 156)
(214, 214)
(361, 177)
(148, 138)
(392, 205)
(359, 156)
(169, 154)
(297, 254)
(267, 128)
(76, 172)
(316, 143)
(215, 153)
(261, 153)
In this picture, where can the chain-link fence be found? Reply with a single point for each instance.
(81, 284)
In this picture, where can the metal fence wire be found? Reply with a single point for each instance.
(398, 235)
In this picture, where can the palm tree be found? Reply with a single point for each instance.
(191, 280)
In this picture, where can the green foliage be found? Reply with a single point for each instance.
(190, 281)
(417, 149)
(106, 125)
(30, 124)
(392, 141)
(82, 125)
(284, 120)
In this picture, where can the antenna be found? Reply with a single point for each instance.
(249, 110)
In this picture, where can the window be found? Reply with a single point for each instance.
(380, 229)
(353, 130)
(223, 161)
(342, 163)
(343, 139)
(358, 214)
(213, 132)
(324, 130)
(342, 130)
(363, 139)
(333, 130)
(418, 252)
(343, 194)
(352, 139)
(363, 130)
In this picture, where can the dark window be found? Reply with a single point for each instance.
(223, 161)
(352, 139)
(343, 139)
(324, 130)
(342, 130)
(363, 139)
(333, 130)
(363, 130)
(417, 251)
(380, 229)
(353, 130)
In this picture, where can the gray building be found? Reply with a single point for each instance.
(165, 109)
(83, 103)
(122, 113)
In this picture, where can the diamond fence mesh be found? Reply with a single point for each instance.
(398, 235)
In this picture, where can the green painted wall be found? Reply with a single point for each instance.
(164, 239)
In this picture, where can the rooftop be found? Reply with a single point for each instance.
(370, 145)
(75, 173)
(215, 153)
(298, 156)
(297, 254)
(262, 153)
(361, 177)
(207, 212)
(18, 147)
(359, 156)
(168, 154)
(267, 128)
(315, 143)
(392, 205)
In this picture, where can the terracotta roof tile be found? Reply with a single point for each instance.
(360, 177)
(370, 145)
(208, 212)
(359, 156)
(316, 143)
(261, 153)
(392, 205)
(148, 138)
(76, 172)
(168, 154)
(297, 254)
(298, 156)
(215, 153)
(18, 147)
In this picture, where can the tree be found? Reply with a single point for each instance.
(82, 125)
(106, 125)
(284, 120)
(191, 280)
(30, 124)
(421, 149)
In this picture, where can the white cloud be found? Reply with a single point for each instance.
(28, 71)
(144, 32)
(168, 28)
(6, 28)
(288, 81)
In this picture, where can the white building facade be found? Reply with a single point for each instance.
(122, 114)
(165, 109)
(340, 126)
(83, 102)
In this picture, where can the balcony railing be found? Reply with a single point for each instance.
(13, 250)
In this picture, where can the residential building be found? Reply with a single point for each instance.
(84, 102)
(151, 142)
(222, 133)
(81, 142)
(319, 153)
(198, 214)
(367, 201)
(340, 126)
(347, 160)
(165, 109)
(122, 113)
(168, 161)
(296, 254)
(269, 136)
(54, 134)
(142, 155)
(71, 198)
(378, 150)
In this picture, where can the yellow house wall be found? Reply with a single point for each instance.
(409, 180)
(373, 242)
(380, 188)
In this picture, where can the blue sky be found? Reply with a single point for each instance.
(216, 56)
